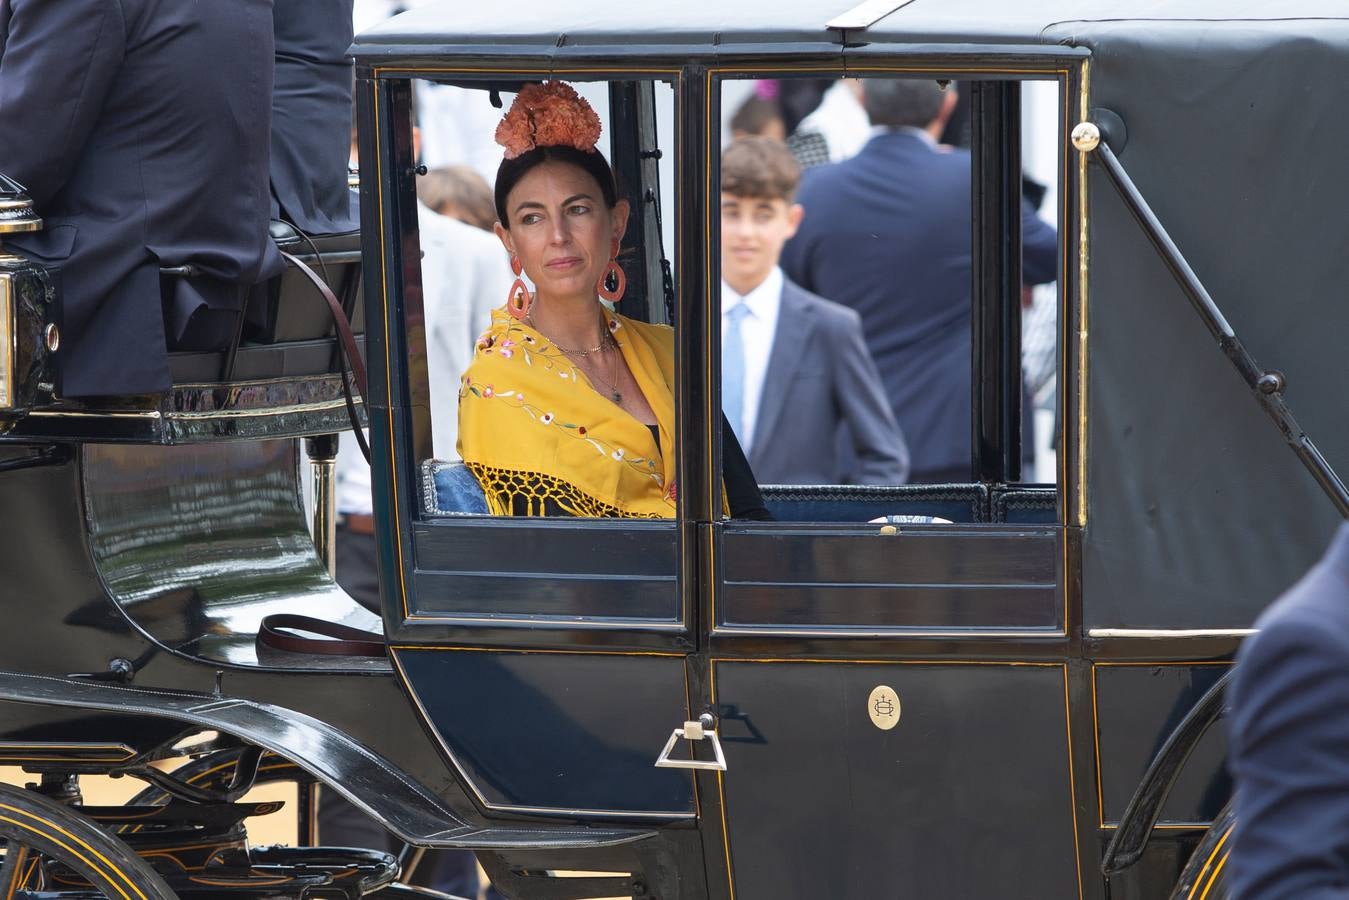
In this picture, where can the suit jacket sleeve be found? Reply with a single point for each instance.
(1039, 248)
(1290, 756)
(881, 455)
(60, 59)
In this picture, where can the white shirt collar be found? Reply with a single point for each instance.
(763, 301)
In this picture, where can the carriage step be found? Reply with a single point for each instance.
(207, 815)
(287, 870)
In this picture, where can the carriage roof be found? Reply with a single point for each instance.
(540, 26)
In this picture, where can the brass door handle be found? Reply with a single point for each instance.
(702, 730)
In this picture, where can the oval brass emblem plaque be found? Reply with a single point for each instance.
(883, 707)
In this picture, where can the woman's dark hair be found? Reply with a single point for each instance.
(512, 170)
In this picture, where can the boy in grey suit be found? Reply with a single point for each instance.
(798, 385)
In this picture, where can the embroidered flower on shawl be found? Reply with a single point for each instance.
(546, 418)
(551, 114)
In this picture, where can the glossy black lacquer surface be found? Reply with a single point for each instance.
(71, 625)
(557, 568)
(1137, 707)
(557, 731)
(919, 577)
(406, 808)
(824, 804)
(196, 543)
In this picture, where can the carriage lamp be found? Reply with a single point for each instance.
(27, 339)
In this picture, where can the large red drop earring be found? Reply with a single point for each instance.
(613, 274)
(518, 300)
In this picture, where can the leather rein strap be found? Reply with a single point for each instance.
(280, 631)
(333, 640)
(346, 344)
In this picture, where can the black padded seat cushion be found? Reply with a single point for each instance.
(861, 503)
(1026, 505)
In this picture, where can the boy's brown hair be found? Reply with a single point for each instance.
(760, 168)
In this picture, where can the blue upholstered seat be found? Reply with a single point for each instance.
(450, 489)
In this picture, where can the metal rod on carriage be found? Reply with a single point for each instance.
(322, 452)
(1267, 385)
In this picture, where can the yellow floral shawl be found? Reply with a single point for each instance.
(532, 428)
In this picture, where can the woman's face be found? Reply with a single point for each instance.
(560, 229)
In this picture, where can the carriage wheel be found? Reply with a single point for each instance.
(1205, 875)
(51, 849)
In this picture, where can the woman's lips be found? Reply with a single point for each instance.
(564, 264)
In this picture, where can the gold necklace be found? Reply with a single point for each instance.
(606, 341)
(612, 383)
(605, 338)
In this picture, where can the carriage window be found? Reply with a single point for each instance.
(848, 273)
(549, 372)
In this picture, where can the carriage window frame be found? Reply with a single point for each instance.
(577, 596)
(831, 585)
(991, 416)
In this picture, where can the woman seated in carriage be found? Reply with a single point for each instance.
(568, 407)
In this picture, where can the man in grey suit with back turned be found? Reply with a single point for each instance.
(798, 385)
(141, 129)
(887, 233)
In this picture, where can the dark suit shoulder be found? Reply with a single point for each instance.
(1320, 597)
(1305, 629)
(834, 316)
(816, 182)
(1296, 634)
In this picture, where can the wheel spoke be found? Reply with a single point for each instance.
(16, 869)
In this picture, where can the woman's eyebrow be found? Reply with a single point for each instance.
(534, 204)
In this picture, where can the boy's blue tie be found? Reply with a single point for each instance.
(733, 371)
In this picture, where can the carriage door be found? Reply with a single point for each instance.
(545, 654)
(886, 660)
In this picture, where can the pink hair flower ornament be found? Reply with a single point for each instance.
(551, 114)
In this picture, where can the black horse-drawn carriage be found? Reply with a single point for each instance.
(1013, 704)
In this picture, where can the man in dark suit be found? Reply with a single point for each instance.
(311, 115)
(798, 385)
(140, 128)
(1289, 748)
(887, 233)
